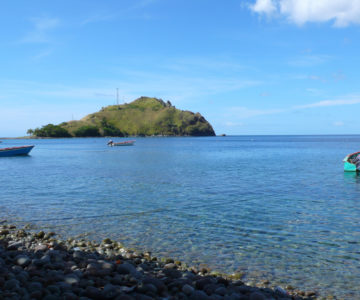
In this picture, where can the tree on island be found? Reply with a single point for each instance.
(50, 130)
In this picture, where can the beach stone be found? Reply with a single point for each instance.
(210, 288)
(109, 291)
(40, 234)
(221, 291)
(72, 279)
(108, 266)
(223, 281)
(78, 255)
(4, 232)
(187, 289)
(16, 270)
(280, 291)
(41, 247)
(125, 297)
(93, 293)
(21, 233)
(64, 286)
(50, 297)
(234, 296)
(257, 296)
(170, 266)
(160, 285)
(53, 289)
(172, 273)
(244, 289)
(200, 283)
(199, 295)
(125, 268)
(69, 296)
(12, 284)
(23, 277)
(15, 245)
(151, 288)
(22, 260)
(34, 286)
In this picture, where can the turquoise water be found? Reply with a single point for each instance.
(274, 207)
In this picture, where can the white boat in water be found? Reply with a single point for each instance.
(125, 143)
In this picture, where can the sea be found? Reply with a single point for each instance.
(271, 208)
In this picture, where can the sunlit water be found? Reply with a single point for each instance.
(274, 207)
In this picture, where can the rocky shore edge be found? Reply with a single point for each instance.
(37, 265)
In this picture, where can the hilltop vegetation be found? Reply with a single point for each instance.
(143, 117)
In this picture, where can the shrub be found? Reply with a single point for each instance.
(87, 131)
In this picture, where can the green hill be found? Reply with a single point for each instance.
(143, 117)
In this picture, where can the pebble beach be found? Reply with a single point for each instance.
(38, 265)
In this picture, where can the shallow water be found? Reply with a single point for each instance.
(274, 207)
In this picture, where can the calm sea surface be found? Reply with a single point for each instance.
(274, 207)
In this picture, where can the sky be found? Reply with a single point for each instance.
(249, 67)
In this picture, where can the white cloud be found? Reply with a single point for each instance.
(341, 12)
(338, 123)
(329, 103)
(41, 28)
(241, 112)
(266, 7)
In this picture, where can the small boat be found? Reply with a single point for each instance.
(348, 165)
(14, 151)
(126, 143)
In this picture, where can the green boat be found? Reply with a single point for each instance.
(348, 166)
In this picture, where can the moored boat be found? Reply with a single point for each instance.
(349, 166)
(125, 143)
(14, 151)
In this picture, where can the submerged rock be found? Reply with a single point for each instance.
(30, 268)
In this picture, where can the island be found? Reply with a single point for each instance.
(144, 116)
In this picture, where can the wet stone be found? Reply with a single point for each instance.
(257, 296)
(71, 279)
(200, 283)
(12, 284)
(50, 297)
(34, 286)
(187, 289)
(41, 247)
(199, 295)
(125, 268)
(36, 294)
(221, 291)
(14, 245)
(22, 260)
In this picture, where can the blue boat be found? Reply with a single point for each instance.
(15, 151)
(348, 165)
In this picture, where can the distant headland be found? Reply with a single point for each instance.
(144, 116)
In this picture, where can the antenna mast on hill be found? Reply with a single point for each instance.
(117, 96)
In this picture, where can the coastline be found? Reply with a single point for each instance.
(39, 265)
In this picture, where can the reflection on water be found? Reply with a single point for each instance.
(351, 177)
(262, 205)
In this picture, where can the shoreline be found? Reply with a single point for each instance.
(39, 265)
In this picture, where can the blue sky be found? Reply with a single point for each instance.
(250, 67)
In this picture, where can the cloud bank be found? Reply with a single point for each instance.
(341, 12)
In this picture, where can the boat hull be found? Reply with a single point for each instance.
(348, 166)
(127, 143)
(15, 151)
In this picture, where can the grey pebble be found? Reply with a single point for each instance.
(22, 260)
(12, 284)
(187, 289)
